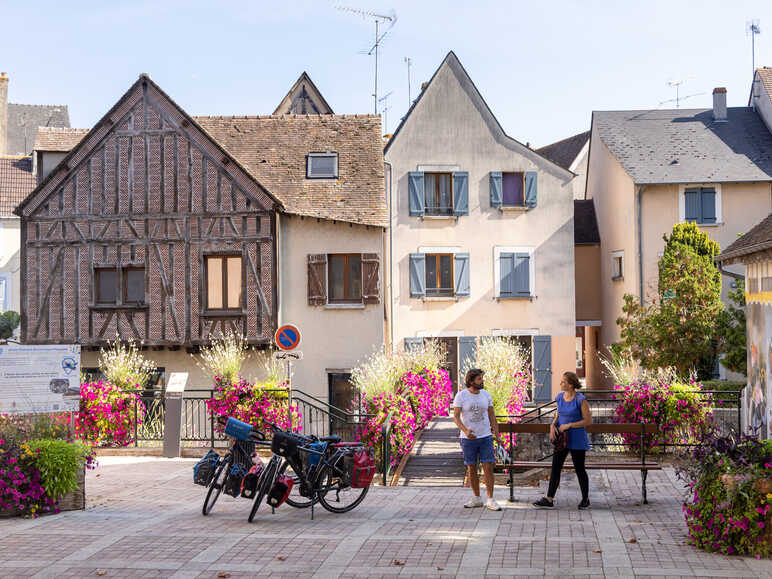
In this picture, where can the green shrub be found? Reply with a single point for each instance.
(124, 366)
(59, 463)
(722, 385)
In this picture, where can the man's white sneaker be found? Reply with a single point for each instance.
(473, 503)
(492, 505)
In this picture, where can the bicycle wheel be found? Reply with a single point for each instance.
(333, 495)
(295, 499)
(215, 487)
(264, 485)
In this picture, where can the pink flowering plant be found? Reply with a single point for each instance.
(729, 490)
(107, 414)
(404, 424)
(683, 412)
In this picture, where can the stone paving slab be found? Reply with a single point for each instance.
(144, 520)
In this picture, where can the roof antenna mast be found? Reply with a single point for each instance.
(409, 96)
(379, 19)
(752, 28)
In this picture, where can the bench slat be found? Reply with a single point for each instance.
(506, 427)
(589, 466)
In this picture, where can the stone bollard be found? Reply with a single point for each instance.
(175, 389)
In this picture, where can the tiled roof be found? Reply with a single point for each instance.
(757, 239)
(765, 75)
(565, 152)
(687, 145)
(585, 223)
(303, 98)
(23, 123)
(16, 182)
(60, 139)
(274, 149)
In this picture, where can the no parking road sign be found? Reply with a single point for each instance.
(287, 337)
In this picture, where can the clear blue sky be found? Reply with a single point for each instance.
(541, 66)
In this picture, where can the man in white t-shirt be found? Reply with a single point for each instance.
(474, 415)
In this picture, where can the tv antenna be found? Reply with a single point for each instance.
(391, 18)
(677, 84)
(385, 109)
(409, 97)
(683, 98)
(752, 28)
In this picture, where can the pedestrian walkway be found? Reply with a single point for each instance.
(435, 459)
(144, 520)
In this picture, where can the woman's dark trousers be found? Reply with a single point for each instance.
(577, 456)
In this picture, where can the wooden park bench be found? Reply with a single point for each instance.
(543, 429)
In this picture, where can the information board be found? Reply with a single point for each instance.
(39, 378)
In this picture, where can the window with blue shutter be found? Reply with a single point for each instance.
(460, 193)
(700, 205)
(417, 275)
(507, 275)
(496, 183)
(531, 183)
(467, 350)
(522, 274)
(461, 267)
(415, 183)
(542, 368)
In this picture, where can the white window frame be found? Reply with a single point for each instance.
(497, 251)
(7, 302)
(682, 203)
(614, 255)
(310, 156)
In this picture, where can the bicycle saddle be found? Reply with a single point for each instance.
(334, 438)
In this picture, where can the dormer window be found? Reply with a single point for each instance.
(322, 166)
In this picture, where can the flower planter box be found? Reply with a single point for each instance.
(72, 501)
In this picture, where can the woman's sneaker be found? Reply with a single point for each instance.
(543, 503)
(473, 503)
(585, 504)
(492, 505)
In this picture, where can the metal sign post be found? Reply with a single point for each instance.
(287, 338)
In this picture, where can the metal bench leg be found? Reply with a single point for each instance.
(644, 473)
(511, 470)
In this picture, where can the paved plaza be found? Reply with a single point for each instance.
(144, 520)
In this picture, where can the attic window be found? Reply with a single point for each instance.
(322, 166)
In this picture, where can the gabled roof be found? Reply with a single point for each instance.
(451, 61)
(23, 123)
(585, 223)
(687, 145)
(758, 238)
(274, 149)
(565, 152)
(303, 99)
(765, 78)
(58, 139)
(16, 182)
(144, 86)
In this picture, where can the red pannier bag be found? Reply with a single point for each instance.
(280, 490)
(364, 468)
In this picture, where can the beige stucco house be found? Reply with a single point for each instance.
(482, 233)
(651, 169)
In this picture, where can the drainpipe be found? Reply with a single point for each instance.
(391, 265)
(640, 244)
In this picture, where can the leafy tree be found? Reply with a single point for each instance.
(9, 321)
(679, 328)
(732, 331)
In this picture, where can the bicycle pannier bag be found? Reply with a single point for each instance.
(364, 468)
(205, 468)
(232, 484)
(284, 444)
(313, 459)
(238, 429)
(250, 480)
(280, 490)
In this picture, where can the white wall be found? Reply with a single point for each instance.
(10, 240)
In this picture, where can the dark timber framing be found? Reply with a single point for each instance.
(146, 188)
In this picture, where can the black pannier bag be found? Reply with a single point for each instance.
(232, 485)
(203, 472)
(284, 444)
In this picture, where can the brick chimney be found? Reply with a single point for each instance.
(3, 112)
(719, 104)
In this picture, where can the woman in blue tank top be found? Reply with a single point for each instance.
(573, 415)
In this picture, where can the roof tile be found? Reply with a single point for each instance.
(16, 182)
(60, 139)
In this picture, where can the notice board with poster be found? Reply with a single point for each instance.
(39, 378)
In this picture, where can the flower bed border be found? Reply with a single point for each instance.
(72, 501)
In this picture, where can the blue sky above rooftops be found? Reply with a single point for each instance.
(541, 66)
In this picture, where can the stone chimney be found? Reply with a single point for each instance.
(719, 104)
(3, 112)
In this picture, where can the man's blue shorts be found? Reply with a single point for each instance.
(477, 447)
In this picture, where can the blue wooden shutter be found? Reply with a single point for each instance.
(542, 368)
(530, 188)
(522, 274)
(417, 275)
(467, 350)
(692, 205)
(708, 206)
(413, 344)
(415, 184)
(460, 193)
(496, 185)
(507, 275)
(461, 270)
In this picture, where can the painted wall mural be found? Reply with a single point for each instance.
(757, 409)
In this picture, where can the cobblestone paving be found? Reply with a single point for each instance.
(144, 520)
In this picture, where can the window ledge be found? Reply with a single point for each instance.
(514, 208)
(433, 217)
(441, 299)
(617, 278)
(107, 307)
(716, 224)
(516, 298)
(344, 306)
(223, 314)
